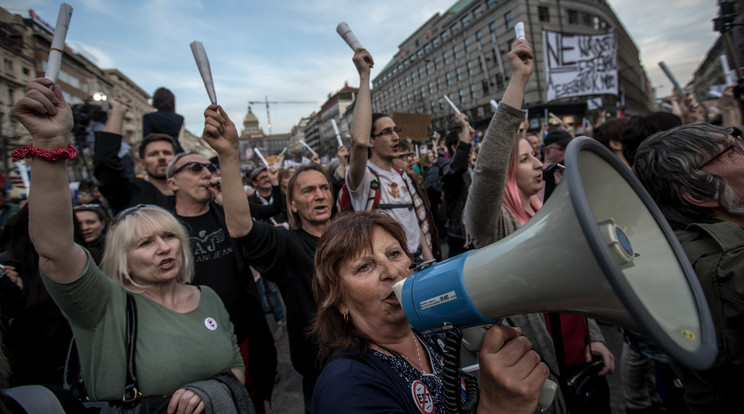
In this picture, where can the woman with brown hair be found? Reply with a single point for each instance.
(376, 361)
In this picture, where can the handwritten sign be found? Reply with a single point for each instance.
(579, 65)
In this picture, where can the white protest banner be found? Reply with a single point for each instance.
(579, 65)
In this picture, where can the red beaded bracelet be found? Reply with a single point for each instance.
(30, 151)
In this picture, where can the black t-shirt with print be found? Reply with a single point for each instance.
(216, 266)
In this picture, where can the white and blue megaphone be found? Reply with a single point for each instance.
(599, 248)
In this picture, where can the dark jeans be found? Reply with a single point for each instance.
(270, 300)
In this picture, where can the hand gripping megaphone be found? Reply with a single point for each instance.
(599, 248)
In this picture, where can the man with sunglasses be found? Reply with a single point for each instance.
(155, 152)
(695, 173)
(219, 264)
(371, 161)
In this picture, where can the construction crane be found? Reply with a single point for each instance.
(267, 102)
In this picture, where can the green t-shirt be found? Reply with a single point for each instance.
(172, 349)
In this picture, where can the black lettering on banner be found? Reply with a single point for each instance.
(579, 65)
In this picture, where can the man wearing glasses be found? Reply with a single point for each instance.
(695, 173)
(375, 144)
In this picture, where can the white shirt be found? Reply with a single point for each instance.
(394, 189)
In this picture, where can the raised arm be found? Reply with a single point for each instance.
(520, 62)
(115, 121)
(361, 121)
(221, 135)
(461, 158)
(343, 161)
(48, 118)
(485, 197)
(107, 166)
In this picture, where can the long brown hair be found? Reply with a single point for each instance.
(345, 238)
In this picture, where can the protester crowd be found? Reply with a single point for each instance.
(176, 273)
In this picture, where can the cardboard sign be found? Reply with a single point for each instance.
(415, 126)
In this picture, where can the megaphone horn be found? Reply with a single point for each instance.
(599, 248)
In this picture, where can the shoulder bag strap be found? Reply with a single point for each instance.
(373, 198)
(131, 390)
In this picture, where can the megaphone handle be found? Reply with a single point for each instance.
(472, 339)
(547, 395)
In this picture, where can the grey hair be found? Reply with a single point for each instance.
(174, 161)
(668, 165)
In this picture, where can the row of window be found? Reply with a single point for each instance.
(10, 72)
(412, 97)
(470, 68)
(543, 15)
(574, 17)
(69, 79)
(461, 97)
(455, 28)
(435, 64)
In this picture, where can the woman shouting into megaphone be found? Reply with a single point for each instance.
(376, 362)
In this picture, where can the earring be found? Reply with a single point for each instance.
(346, 318)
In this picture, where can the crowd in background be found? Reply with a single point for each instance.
(264, 242)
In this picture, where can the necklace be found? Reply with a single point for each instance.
(409, 360)
(418, 354)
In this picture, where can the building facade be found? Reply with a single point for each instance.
(709, 79)
(24, 51)
(125, 90)
(319, 130)
(18, 67)
(462, 53)
(252, 136)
